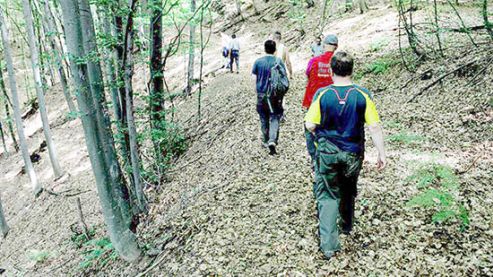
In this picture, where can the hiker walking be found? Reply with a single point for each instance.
(337, 118)
(271, 85)
(319, 75)
(234, 53)
(225, 50)
(282, 52)
(317, 47)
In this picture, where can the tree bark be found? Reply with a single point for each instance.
(487, 23)
(79, 32)
(191, 51)
(5, 148)
(36, 186)
(35, 62)
(132, 129)
(156, 97)
(8, 105)
(4, 228)
(58, 52)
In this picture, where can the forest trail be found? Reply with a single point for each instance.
(229, 208)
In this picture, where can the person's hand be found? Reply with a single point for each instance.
(381, 162)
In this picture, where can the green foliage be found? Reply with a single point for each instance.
(439, 189)
(379, 44)
(79, 239)
(39, 256)
(393, 124)
(381, 66)
(98, 254)
(405, 138)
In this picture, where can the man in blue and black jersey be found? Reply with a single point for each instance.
(337, 117)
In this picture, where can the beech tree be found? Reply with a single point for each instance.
(28, 166)
(113, 196)
(35, 63)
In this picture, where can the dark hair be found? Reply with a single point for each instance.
(277, 35)
(233, 36)
(270, 46)
(342, 64)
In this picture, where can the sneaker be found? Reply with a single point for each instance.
(264, 144)
(272, 148)
(329, 254)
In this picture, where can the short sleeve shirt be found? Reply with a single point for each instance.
(261, 69)
(340, 113)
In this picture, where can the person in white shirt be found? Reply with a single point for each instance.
(234, 53)
(282, 52)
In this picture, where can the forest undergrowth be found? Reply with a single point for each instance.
(229, 208)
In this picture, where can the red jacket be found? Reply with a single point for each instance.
(319, 75)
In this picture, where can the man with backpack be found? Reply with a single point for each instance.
(271, 85)
(337, 117)
(319, 75)
(234, 53)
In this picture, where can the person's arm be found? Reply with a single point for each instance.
(288, 62)
(376, 133)
(309, 68)
(373, 121)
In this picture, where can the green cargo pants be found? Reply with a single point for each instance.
(335, 190)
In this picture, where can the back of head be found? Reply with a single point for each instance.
(277, 36)
(233, 36)
(331, 42)
(342, 64)
(270, 46)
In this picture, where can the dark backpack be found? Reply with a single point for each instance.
(278, 80)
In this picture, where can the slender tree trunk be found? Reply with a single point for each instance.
(156, 99)
(37, 188)
(191, 50)
(8, 105)
(40, 89)
(110, 72)
(238, 9)
(58, 52)
(487, 23)
(5, 148)
(109, 179)
(132, 129)
(437, 28)
(4, 228)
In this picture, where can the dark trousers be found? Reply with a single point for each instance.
(335, 189)
(269, 125)
(234, 57)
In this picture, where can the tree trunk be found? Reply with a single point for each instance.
(37, 188)
(487, 23)
(238, 9)
(5, 149)
(110, 71)
(109, 179)
(363, 6)
(8, 105)
(35, 61)
(4, 228)
(191, 50)
(58, 52)
(132, 129)
(156, 97)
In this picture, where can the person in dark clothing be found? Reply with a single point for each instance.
(269, 116)
(234, 49)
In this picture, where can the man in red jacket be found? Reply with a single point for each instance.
(319, 75)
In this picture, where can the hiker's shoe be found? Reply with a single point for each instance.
(272, 148)
(329, 254)
(264, 144)
(237, 72)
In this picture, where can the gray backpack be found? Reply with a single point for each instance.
(278, 80)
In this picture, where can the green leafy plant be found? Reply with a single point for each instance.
(98, 254)
(405, 138)
(439, 192)
(79, 238)
(381, 65)
(379, 44)
(39, 256)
